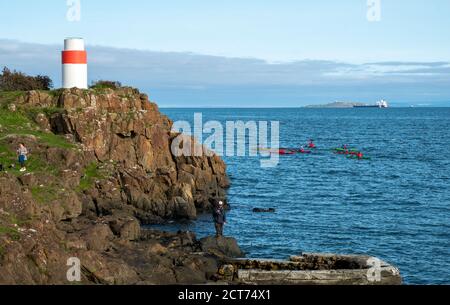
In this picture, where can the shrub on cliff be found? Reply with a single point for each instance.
(18, 81)
(106, 84)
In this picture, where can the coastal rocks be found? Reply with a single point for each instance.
(123, 127)
(98, 237)
(155, 248)
(221, 246)
(126, 227)
(68, 206)
(100, 166)
(112, 271)
(182, 208)
(75, 242)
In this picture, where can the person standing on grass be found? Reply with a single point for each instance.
(22, 153)
(219, 218)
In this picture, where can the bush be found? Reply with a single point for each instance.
(18, 81)
(105, 84)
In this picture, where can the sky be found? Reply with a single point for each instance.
(243, 53)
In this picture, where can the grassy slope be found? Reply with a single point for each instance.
(20, 123)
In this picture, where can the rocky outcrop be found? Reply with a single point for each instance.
(221, 246)
(123, 129)
(100, 165)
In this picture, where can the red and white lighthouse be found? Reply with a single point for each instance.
(74, 64)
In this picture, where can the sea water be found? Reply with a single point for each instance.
(395, 206)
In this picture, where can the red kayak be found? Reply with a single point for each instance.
(291, 151)
(286, 152)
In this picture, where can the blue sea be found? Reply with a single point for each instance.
(395, 206)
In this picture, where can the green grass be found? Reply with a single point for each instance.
(7, 157)
(10, 232)
(45, 194)
(11, 120)
(100, 90)
(18, 221)
(52, 140)
(19, 123)
(9, 96)
(34, 164)
(91, 174)
(32, 112)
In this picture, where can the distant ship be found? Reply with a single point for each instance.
(379, 104)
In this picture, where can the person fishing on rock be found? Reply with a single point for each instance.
(220, 218)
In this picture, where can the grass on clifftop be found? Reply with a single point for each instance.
(20, 123)
(10, 96)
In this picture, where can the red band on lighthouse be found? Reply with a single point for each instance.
(74, 57)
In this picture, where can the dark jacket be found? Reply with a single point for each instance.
(219, 215)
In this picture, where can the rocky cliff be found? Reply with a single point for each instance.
(100, 165)
(125, 134)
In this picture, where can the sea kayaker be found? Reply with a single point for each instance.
(360, 155)
(311, 144)
(302, 150)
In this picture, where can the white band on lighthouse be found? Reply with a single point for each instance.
(74, 64)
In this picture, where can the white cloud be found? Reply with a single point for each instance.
(191, 74)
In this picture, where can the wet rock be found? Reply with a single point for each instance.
(125, 227)
(182, 208)
(227, 246)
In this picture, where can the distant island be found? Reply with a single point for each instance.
(336, 105)
(379, 104)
